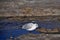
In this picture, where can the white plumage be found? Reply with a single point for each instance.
(30, 26)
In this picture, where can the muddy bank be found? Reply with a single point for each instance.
(38, 37)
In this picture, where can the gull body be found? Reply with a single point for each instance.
(30, 26)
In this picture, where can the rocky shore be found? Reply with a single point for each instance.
(29, 7)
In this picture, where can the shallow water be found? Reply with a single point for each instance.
(13, 28)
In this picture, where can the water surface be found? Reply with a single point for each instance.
(13, 28)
